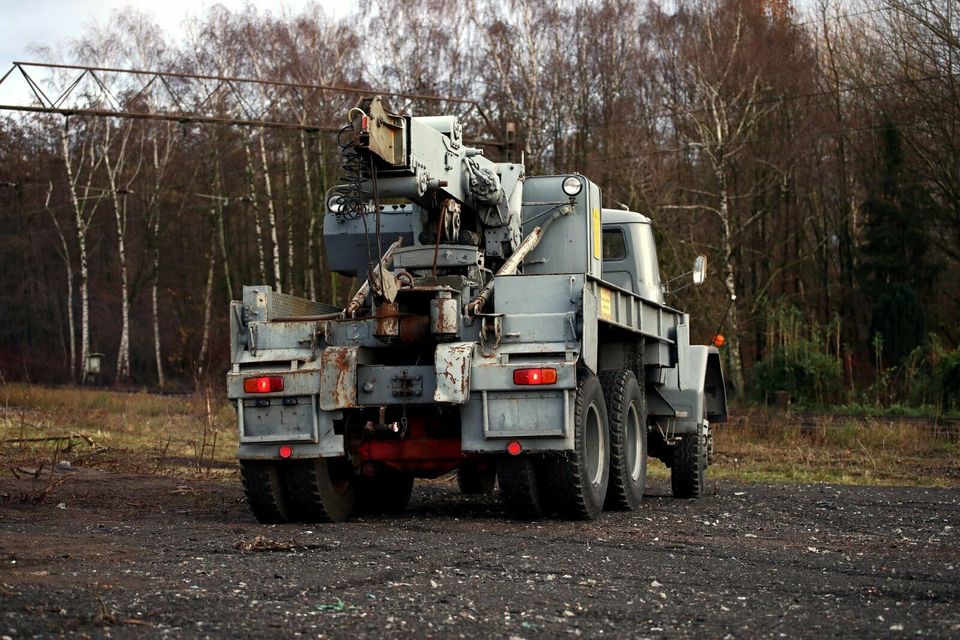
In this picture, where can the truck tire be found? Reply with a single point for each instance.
(474, 479)
(578, 479)
(263, 486)
(388, 492)
(689, 469)
(321, 490)
(627, 413)
(520, 487)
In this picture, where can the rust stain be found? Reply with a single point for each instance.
(388, 320)
(456, 376)
(444, 313)
(343, 363)
(414, 329)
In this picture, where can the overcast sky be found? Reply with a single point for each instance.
(27, 23)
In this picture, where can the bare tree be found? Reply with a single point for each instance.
(720, 111)
(64, 250)
(255, 205)
(161, 152)
(203, 358)
(84, 198)
(118, 195)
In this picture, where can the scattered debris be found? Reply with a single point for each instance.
(262, 543)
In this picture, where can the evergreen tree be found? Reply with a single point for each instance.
(896, 273)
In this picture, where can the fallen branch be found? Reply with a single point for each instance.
(82, 459)
(37, 497)
(69, 438)
(47, 439)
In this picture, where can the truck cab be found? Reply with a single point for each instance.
(630, 254)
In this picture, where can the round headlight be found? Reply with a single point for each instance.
(572, 186)
(335, 203)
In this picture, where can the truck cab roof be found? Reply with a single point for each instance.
(621, 216)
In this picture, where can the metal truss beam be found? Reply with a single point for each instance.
(77, 90)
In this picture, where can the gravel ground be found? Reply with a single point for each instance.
(140, 556)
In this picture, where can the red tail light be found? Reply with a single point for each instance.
(535, 376)
(263, 384)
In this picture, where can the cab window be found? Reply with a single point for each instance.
(614, 245)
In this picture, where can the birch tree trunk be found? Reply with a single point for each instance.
(82, 218)
(64, 251)
(288, 214)
(119, 199)
(160, 162)
(155, 285)
(252, 186)
(309, 277)
(155, 306)
(207, 306)
(734, 361)
(221, 233)
(271, 215)
(123, 353)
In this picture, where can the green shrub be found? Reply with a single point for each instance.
(948, 379)
(809, 376)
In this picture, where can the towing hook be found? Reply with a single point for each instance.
(372, 427)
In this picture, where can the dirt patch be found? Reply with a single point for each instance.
(123, 556)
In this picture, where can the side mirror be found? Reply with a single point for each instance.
(699, 270)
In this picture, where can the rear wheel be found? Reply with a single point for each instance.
(579, 478)
(386, 492)
(263, 486)
(627, 412)
(476, 479)
(321, 490)
(520, 487)
(689, 469)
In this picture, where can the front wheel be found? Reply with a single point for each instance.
(627, 412)
(689, 469)
(579, 478)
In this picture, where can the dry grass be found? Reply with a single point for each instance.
(139, 432)
(783, 447)
(196, 436)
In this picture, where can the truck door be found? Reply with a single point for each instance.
(617, 267)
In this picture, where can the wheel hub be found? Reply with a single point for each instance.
(595, 445)
(633, 443)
